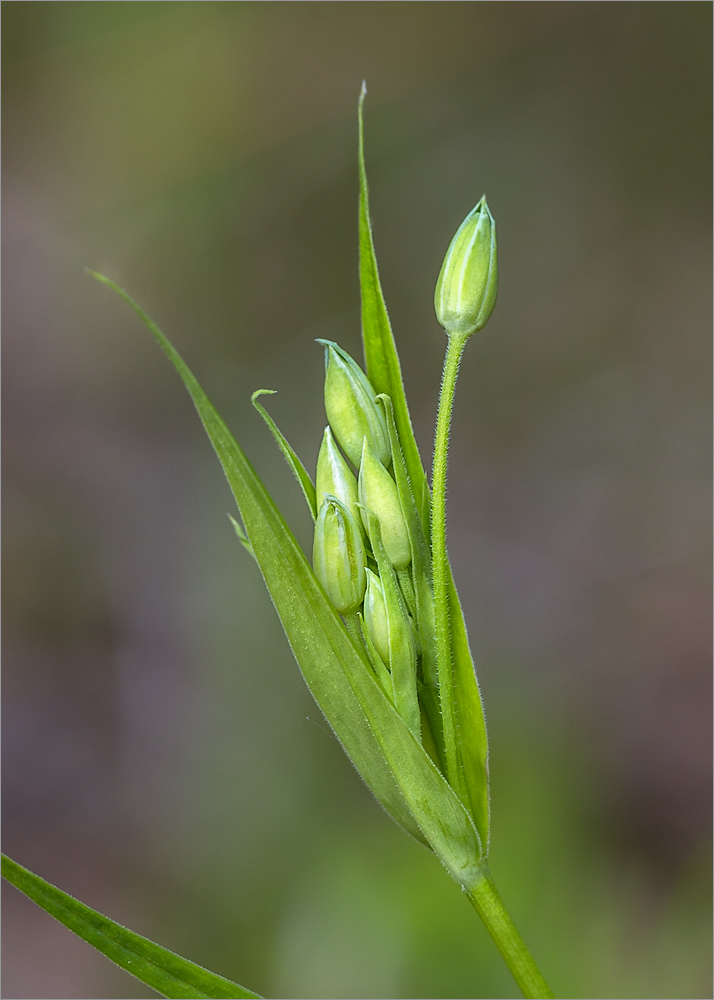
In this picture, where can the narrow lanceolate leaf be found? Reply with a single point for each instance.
(384, 751)
(380, 352)
(301, 474)
(314, 630)
(162, 970)
(472, 748)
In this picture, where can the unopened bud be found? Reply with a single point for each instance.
(391, 633)
(350, 406)
(375, 615)
(338, 556)
(468, 283)
(334, 476)
(378, 494)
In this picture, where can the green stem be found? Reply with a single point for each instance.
(440, 560)
(488, 904)
(482, 893)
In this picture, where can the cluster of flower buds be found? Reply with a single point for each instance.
(371, 549)
(362, 550)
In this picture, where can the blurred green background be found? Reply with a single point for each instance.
(163, 760)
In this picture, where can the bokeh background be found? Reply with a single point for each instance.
(163, 760)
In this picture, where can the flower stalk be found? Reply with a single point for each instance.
(454, 352)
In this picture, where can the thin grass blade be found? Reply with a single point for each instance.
(472, 746)
(157, 967)
(380, 351)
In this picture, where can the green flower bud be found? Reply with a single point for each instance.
(391, 632)
(338, 556)
(350, 406)
(388, 623)
(375, 615)
(468, 283)
(334, 476)
(378, 494)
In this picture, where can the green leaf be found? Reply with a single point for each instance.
(383, 749)
(472, 746)
(316, 634)
(162, 970)
(380, 352)
(301, 473)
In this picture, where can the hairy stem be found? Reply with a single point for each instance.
(488, 904)
(440, 564)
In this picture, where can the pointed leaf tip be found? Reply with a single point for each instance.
(299, 471)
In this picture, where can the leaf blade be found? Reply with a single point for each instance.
(289, 578)
(472, 749)
(163, 970)
(380, 351)
(383, 749)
